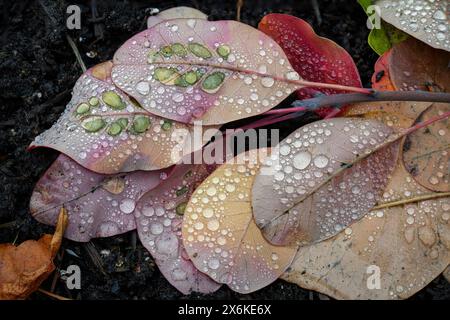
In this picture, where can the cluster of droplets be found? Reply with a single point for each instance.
(153, 83)
(422, 16)
(220, 234)
(303, 181)
(113, 151)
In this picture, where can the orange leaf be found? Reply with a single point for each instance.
(23, 268)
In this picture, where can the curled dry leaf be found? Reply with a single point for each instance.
(425, 20)
(315, 58)
(323, 177)
(23, 268)
(159, 215)
(193, 69)
(175, 13)
(98, 205)
(426, 152)
(219, 232)
(106, 132)
(407, 246)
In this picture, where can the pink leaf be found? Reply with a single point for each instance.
(324, 177)
(97, 205)
(216, 72)
(106, 132)
(159, 215)
(315, 58)
(175, 13)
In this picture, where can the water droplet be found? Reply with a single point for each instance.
(302, 160)
(321, 161)
(156, 228)
(143, 87)
(127, 205)
(213, 264)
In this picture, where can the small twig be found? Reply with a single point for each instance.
(339, 100)
(239, 5)
(316, 8)
(53, 295)
(76, 52)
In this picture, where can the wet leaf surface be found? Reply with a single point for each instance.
(219, 232)
(427, 21)
(175, 13)
(23, 268)
(195, 69)
(98, 205)
(106, 132)
(315, 58)
(318, 183)
(159, 215)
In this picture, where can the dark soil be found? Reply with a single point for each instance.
(37, 72)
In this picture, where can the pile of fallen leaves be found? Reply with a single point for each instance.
(355, 206)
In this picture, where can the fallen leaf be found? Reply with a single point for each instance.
(323, 177)
(159, 215)
(220, 235)
(98, 205)
(23, 268)
(426, 152)
(215, 72)
(381, 79)
(315, 58)
(424, 20)
(106, 132)
(175, 13)
(407, 246)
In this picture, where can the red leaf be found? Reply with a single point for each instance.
(315, 58)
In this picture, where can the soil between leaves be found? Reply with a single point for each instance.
(38, 71)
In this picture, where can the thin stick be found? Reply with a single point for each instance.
(53, 295)
(339, 100)
(239, 5)
(412, 200)
(76, 52)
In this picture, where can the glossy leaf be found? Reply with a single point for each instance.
(406, 245)
(106, 132)
(175, 13)
(98, 205)
(23, 268)
(159, 215)
(425, 20)
(426, 152)
(383, 38)
(234, 71)
(322, 178)
(219, 232)
(315, 58)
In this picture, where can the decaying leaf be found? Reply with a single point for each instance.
(175, 13)
(215, 72)
(381, 79)
(23, 268)
(425, 20)
(219, 232)
(98, 205)
(106, 132)
(391, 253)
(159, 215)
(383, 37)
(426, 152)
(315, 58)
(446, 274)
(318, 183)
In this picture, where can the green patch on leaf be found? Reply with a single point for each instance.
(166, 125)
(182, 191)
(167, 76)
(83, 108)
(181, 208)
(223, 51)
(93, 101)
(114, 128)
(213, 81)
(166, 51)
(113, 100)
(93, 124)
(179, 50)
(199, 50)
(140, 124)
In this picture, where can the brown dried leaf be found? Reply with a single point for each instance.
(23, 268)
